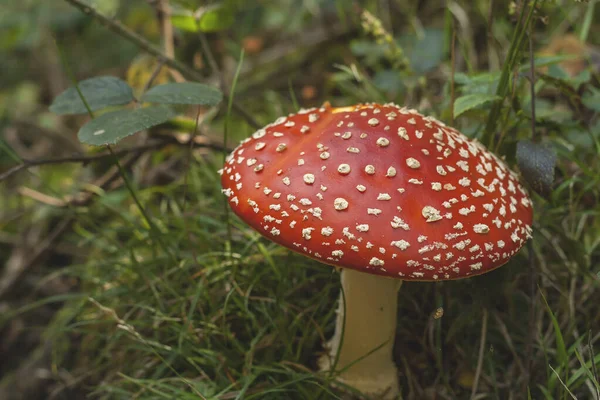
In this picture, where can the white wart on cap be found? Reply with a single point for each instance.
(380, 189)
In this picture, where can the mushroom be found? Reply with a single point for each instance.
(386, 194)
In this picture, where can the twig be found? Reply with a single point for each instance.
(72, 160)
(164, 141)
(213, 62)
(147, 46)
(155, 73)
(41, 197)
(166, 27)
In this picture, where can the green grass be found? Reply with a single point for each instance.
(195, 305)
(207, 324)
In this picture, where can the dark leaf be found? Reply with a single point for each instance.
(113, 126)
(184, 93)
(425, 51)
(536, 163)
(470, 101)
(100, 92)
(591, 99)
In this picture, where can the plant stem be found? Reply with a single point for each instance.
(153, 229)
(503, 85)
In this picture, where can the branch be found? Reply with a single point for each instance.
(200, 141)
(147, 46)
(166, 27)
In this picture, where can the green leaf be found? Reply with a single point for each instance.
(591, 99)
(216, 18)
(113, 126)
(184, 20)
(212, 18)
(388, 81)
(425, 51)
(184, 93)
(470, 101)
(107, 7)
(536, 163)
(99, 92)
(484, 83)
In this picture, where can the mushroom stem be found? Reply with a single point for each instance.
(364, 359)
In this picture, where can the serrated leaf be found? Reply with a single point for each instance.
(99, 92)
(113, 126)
(536, 163)
(184, 93)
(470, 101)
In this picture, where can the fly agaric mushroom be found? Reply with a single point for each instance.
(388, 195)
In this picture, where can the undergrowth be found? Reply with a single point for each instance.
(201, 306)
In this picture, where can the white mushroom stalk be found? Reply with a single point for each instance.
(364, 335)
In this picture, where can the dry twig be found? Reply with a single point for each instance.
(86, 159)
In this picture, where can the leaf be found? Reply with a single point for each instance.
(99, 92)
(216, 18)
(536, 163)
(184, 93)
(425, 51)
(591, 100)
(388, 81)
(557, 75)
(212, 18)
(113, 126)
(470, 101)
(484, 83)
(184, 20)
(107, 7)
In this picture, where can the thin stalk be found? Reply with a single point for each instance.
(71, 75)
(453, 66)
(587, 21)
(481, 353)
(532, 271)
(515, 45)
(225, 153)
(139, 205)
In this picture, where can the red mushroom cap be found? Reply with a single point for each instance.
(379, 189)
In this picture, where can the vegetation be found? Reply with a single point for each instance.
(122, 273)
